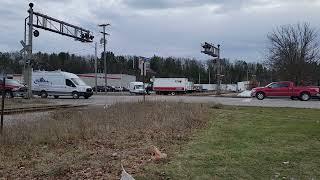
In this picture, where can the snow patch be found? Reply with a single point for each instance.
(245, 94)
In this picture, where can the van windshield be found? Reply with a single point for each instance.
(138, 86)
(78, 81)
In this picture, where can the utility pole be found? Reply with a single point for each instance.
(28, 73)
(219, 72)
(144, 74)
(143, 66)
(95, 68)
(209, 74)
(199, 78)
(25, 40)
(3, 97)
(104, 55)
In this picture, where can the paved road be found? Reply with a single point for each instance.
(284, 102)
(101, 100)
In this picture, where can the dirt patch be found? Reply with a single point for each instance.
(25, 118)
(93, 143)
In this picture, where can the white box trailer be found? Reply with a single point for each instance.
(172, 86)
(59, 83)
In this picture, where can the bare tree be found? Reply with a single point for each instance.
(293, 51)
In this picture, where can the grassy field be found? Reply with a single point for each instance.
(93, 143)
(202, 141)
(249, 143)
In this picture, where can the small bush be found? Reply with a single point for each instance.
(217, 106)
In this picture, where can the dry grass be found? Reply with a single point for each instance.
(20, 102)
(92, 143)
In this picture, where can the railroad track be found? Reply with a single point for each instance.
(40, 108)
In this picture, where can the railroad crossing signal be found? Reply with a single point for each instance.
(48, 23)
(60, 27)
(25, 47)
(211, 50)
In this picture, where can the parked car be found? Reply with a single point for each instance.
(102, 89)
(286, 89)
(99, 89)
(118, 89)
(111, 89)
(125, 89)
(13, 88)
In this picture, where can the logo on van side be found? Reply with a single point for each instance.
(41, 81)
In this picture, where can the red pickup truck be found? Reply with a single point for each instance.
(286, 89)
(12, 88)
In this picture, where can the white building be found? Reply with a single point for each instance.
(116, 80)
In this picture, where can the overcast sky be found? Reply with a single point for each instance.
(161, 27)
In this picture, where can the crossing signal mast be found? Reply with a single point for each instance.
(41, 21)
(213, 51)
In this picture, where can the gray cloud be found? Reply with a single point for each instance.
(163, 27)
(166, 4)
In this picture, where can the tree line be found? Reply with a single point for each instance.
(192, 69)
(293, 55)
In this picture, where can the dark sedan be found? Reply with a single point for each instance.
(102, 89)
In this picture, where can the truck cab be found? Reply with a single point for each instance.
(12, 88)
(137, 88)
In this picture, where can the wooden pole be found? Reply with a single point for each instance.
(144, 88)
(3, 97)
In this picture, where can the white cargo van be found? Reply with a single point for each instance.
(59, 83)
(136, 88)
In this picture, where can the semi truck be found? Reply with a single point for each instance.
(172, 86)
